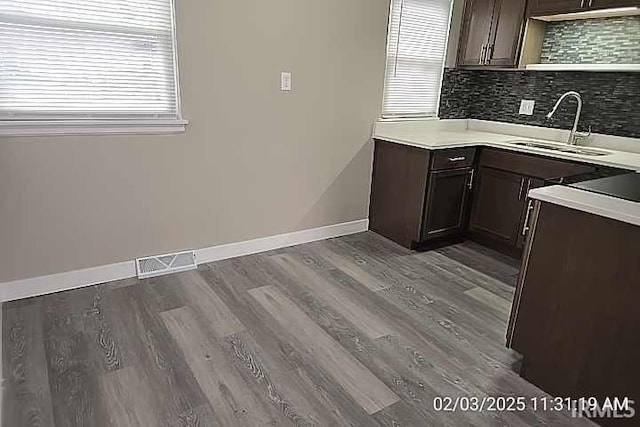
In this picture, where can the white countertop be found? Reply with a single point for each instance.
(586, 201)
(442, 134)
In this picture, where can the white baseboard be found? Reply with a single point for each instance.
(233, 250)
(19, 289)
(26, 288)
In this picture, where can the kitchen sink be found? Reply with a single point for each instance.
(560, 148)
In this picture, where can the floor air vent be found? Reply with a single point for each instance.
(165, 264)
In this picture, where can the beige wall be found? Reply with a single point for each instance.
(254, 161)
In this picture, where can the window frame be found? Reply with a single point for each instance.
(107, 126)
(415, 116)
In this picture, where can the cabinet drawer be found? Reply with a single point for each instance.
(453, 159)
(531, 165)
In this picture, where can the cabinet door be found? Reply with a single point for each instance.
(477, 25)
(498, 205)
(447, 199)
(549, 7)
(504, 47)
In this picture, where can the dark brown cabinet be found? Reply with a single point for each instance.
(549, 7)
(423, 197)
(498, 205)
(503, 51)
(397, 191)
(601, 4)
(446, 203)
(477, 25)
(418, 195)
(501, 210)
(491, 32)
(575, 317)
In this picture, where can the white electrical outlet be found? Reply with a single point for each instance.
(285, 81)
(527, 106)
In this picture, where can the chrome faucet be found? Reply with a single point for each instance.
(574, 136)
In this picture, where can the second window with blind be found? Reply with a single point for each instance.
(416, 49)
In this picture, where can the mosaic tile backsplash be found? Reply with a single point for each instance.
(592, 41)
(610, 99)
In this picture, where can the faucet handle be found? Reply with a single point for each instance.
(583, 135)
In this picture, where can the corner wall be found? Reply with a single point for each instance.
(254, 161)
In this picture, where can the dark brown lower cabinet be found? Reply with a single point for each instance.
(445, 211)
(575, 314)
(422, 198)
(397, 191)
(501, 208)
(419, 195)
(498, 205)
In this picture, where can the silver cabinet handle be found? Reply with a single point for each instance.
(521, 188)
(590, 3)
(483, 51)
(472, 174)
(457, 159)
(581, 3)
(489, 54)
(526, 220)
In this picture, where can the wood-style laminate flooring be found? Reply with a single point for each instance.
(353, 331)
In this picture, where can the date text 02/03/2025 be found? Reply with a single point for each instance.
(583, 407)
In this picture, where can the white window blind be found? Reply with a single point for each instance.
(80, 59)
(416, 48)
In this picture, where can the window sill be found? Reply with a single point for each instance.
(10, 128)
(407, 118)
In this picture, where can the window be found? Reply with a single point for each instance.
(104, 63)
(416, 48)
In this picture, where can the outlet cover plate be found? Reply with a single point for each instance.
(527, 106)
(285, 81)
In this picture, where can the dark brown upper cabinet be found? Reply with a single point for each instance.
(506, 41)
(600, 4)
(553, 7)
(548, 7)
(491, 32)
(478, 19)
